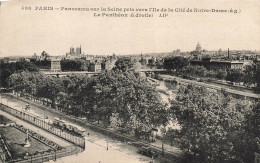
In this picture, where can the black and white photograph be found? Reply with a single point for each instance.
(130, 81)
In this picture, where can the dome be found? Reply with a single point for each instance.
(198, 47)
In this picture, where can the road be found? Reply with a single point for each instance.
(96, 143)
(95, 153)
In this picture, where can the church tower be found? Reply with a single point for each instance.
(78, 50)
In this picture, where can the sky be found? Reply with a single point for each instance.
(23, 33)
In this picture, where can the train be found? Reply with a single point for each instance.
(69, 126)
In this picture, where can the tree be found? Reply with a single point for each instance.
(17, 82)
(188, 70)
(151, 62)
(221, 74)
(44, 55)
(123, 64)
(234, 75)
(26, 83)
(42, 64)
(143, 61)
(210, 123)
(116, 122)
(251, 74)
(159, 64)
(73, 85)
(63, 102)
(73, 65)
(249, 140)
(7, 69)
(194, 70)
(175, 63)
(137, 66)
(50, 88)
(170, 135)
(132, 99)
(200, 71)
(253, 120)
(257, 74)
(211, 74)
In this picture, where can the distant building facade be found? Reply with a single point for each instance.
(108, 64)
(217, 64)
(55, 65)
(95, 67)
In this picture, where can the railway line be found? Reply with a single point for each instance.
(242, 94)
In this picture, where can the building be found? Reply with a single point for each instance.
(78, 50)
(108, 64)
(55, 65)
(95, 67)
(217, 64)
(198, 47)
(73, 54)
(197, 52)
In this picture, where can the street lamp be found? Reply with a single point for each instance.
(55, 155)
(1, 102)
(162, 149)
(107, 145)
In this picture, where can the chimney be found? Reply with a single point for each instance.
(228, 54)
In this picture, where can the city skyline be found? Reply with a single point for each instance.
(141, 53)
(24, 33)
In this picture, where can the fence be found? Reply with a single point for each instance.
(40, 122)
(49, 155)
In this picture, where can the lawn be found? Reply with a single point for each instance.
(15, 140)
(4, 120)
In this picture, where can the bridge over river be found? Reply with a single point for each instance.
(88, 73)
